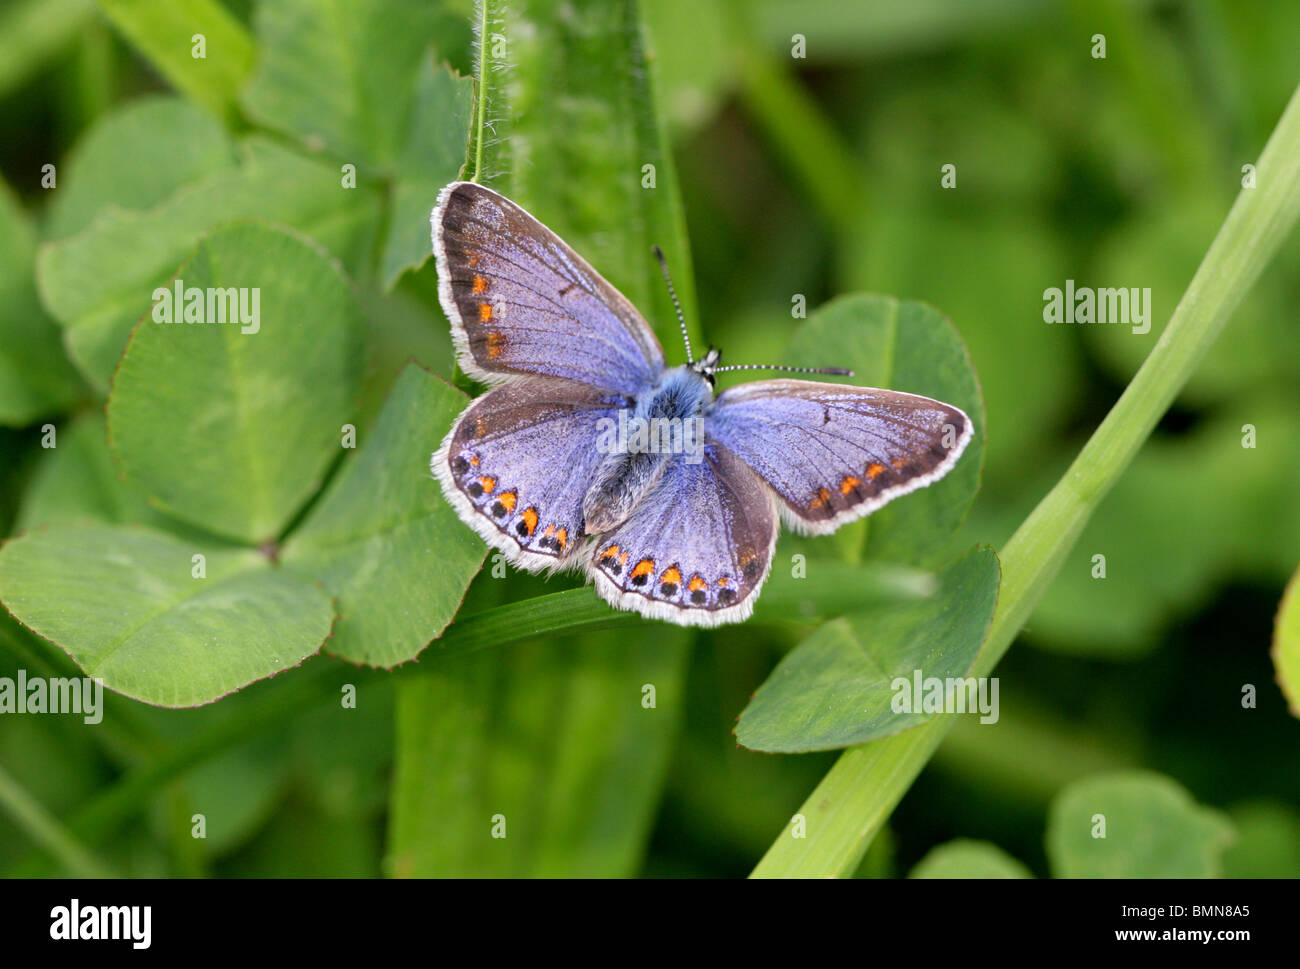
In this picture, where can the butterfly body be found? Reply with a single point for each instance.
(666, 424)
(591, 452)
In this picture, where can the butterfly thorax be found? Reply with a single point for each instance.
(664, 424)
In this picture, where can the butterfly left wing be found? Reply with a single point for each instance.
(520, 301)
(698, 547)
(834, 453)
(516, 465)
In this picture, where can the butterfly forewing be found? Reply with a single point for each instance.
(521, 301)
(833, 453)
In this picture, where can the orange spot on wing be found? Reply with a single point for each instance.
(496, 342)
(848, 484)
(507, 499)
(697, 584)
(529, 516)
(488, 482)
(723, 582)
(898, 463)
(644, 567)
(875, 470)
(484, 312)
(820, 500)
(474, 461)
(562, 536)
(610, 553)
(671, 574)
(473, 260)
(480, 284)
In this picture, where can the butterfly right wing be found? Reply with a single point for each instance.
(517, 463)
(698, 547)
(520, 301)
(834, 452)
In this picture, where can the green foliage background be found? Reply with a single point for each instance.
(817, 176)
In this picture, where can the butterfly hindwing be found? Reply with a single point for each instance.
(518, 461)
(520, 301)
(833, 453)
(698, 547)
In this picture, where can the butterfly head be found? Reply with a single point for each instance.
(707, 364)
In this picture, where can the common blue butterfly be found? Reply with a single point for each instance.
(676, 534)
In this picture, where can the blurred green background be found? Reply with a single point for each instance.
(820, 175)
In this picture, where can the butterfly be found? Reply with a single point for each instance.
(590, 452)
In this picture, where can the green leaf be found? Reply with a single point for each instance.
(36, 379)
(1286, 644)
(182, 143)
(236, 792)
(33, 32)
(1133, 824)
(340, 74)
(383, 541)
(433, 155)
(164, 33)
(837, 687)
(76, 481)
(405, 326)
(558, 747)
(124, 603)
(230, 426)
(965, 858)
(1267, 843)
(97, 283)
(907, 346)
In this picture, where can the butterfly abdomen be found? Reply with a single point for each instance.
(622, 481)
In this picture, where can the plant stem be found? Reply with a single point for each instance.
(855, 797)
(31, 816)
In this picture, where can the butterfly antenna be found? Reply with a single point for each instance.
(829, 371)
(663, 265)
